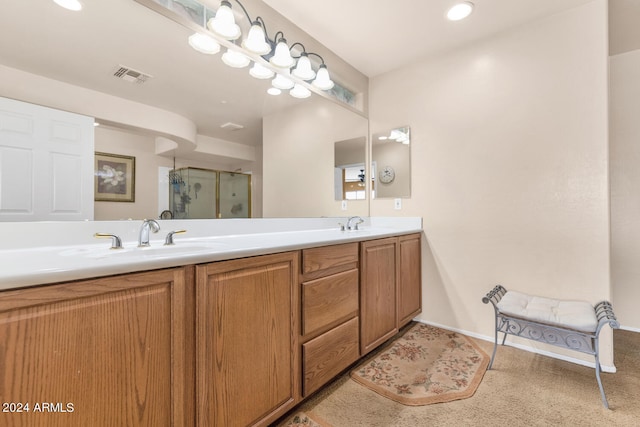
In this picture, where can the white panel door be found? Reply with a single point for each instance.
(46, 163)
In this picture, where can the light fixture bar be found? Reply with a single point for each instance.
(253, 47)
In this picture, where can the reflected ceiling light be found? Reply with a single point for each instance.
(303, 69)
(300, 91)
(274, 91)
(204, 43)
(282, 82)
(395, 134)
(259, 71)
(323, 81)
(235, 59)
(74, 5)
(224, 24)
(460, 11)
(256, 41)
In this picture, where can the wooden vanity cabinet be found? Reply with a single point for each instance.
(409, 294)
(110, 351)
(330, 324)
(247, 358)
(390, 287)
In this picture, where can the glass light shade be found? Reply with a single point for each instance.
(460, 11)
(282, 82)
(300, 91)
(74, 5)
(323, 81)
(224, 24)
(274, 91)
(204, 43)
(282, 57)
(259, 71)
(256, 40)
(235, 59)
(303, 70)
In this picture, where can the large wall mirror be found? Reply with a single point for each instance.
(391, 163)
(84, 51)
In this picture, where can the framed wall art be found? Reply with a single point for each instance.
(115, 178)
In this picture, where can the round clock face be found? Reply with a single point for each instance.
(387, 175)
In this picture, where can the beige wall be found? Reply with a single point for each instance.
(625, 186)
(298, 159)
(509, 161)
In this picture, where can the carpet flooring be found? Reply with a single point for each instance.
(522, 389)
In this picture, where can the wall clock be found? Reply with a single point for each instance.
(387, 175)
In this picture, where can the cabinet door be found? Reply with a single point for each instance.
(105, 352)
(410, 279)
(247, 362)
(377, 293)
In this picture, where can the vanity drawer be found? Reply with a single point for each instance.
(326, 356)
(325, 260)
(329, 301)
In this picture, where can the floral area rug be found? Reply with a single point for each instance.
(301, 419)
(425, 365)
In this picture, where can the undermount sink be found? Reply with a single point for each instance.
(149, 251)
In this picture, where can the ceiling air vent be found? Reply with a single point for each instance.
(130, 75)
(231, 126)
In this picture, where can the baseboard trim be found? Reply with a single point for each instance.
(605, 368)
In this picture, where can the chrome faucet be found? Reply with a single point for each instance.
(357, 220)
(147, 224)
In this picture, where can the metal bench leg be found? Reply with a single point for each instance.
(604, 398)
(495, 347)
(495, 343)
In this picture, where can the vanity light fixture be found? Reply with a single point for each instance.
(282, 55)
(460, 11)
(235, 59)
(282, 82)
(259, 71)
(224, 24)
(322, 80)
(74, 5)
(204, 43)
(257, 42)
(303, 69)
(300, 91)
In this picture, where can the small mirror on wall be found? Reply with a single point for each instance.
(349, 169)
(391, 163)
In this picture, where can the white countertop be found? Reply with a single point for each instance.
(50, 252)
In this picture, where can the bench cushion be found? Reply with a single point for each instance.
(577, 315)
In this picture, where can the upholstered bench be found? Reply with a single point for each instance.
(574, 325)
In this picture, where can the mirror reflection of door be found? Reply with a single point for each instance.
(350, 170)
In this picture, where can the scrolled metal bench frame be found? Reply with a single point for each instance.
(584, 342)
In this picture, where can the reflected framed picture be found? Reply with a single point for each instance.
(114, 178)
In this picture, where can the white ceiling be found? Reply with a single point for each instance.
(375, 36)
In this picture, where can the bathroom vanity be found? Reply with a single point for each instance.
(219, 336)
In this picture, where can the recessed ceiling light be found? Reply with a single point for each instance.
(74, 5)
(460, 11)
